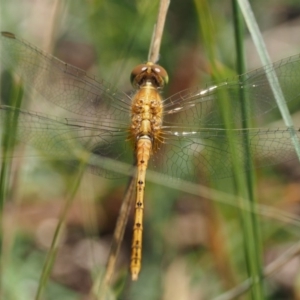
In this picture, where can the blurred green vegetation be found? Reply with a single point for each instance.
(193, 246)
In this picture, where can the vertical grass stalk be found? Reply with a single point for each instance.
(242, 183)
(13, 94)
(250, 223)
(50, 259)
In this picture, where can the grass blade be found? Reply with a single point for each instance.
(273, 80)
(46, 272)
(253, 247)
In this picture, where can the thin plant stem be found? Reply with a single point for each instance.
(46, 272)
(274, 266)
(102, 283)
(250, 222)
(158, 31)
(203, 191)
(7, 145)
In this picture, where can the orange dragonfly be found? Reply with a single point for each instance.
(182, 136)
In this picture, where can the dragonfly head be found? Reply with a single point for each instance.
(149, 73)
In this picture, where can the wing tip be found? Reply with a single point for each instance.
(8, 34)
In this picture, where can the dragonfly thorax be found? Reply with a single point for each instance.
(149, 74)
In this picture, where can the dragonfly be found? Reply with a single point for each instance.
(182, 136)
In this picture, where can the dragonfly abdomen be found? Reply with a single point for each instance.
(143, 152)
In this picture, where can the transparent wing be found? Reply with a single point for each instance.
(195, 140)
(188, 155)
(187, 148)
(63, 84)
(195, 107)
(68, 139)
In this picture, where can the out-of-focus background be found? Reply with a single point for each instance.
(193, 247)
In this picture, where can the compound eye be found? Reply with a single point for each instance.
(143, 73)
(161, 72)
(136, 72)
